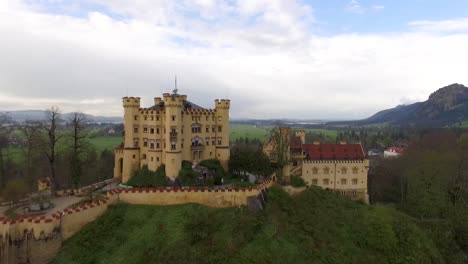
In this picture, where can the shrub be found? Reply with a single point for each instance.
(214, 164)
(14, 190)
(147, 178)
(297, 181)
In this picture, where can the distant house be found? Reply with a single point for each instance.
(393, 152)
(374, 153)
(111, 132)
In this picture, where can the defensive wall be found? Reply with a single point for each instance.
(37, 239)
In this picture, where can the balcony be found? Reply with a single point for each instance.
(197, 147)
(173, 136)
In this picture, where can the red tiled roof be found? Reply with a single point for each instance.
(395, 149)
(334, 151)
(295, 142)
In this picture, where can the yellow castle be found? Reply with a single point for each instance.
(172, 130)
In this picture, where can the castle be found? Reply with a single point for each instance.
(172, 130)
(339, 167)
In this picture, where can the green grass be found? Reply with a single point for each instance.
(315, 226)
(326, 132)
(106, 143)
(248, 131)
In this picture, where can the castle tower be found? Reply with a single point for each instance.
(301, 134)
(222, 131)
(285, 134)
(173, 124)
(130, 160)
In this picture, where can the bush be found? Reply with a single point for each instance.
(187, 176)
(297, 181)
(14, 190)
(147, 178)
(214, 164)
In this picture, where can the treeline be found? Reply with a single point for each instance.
(430, 183)
(56, 148)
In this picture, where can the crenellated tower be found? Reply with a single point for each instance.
(222, 131)
(173, 104)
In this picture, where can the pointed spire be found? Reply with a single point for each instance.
(175, 86)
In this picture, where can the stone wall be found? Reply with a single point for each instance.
(30, 239)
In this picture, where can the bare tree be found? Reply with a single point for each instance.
(51, 129)
(79, 134)
(31, 131)
(5, 131)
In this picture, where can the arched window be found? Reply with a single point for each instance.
(344, 170)
(355, 170)
(314, 170)
(326, 170)
(196, 128)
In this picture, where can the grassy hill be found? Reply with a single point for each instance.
(315, 226)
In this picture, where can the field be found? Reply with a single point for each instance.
(248, 131)
(316, 226)
(106, 143)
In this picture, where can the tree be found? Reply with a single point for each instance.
(5, 131)
(281, 149)
(51, 130)
(31, 132)
(79, 135)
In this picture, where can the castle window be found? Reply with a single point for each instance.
(213, 141)
(135, 142)
(314, 181)
(207, 141)
(355, 170)
(213, 129)
(158, 144)
(173, 145)
(207, 129)
(157, 158)
(152, 130)
(152, 158)
(157, 131)
(143, 156)
(173, 118)
(145, 130)
(220, 129)
(354, 181)
(157, 118)
(196, 128)
(145, 117)
(326, 170)
(182, 143)
(354, 193)
(325, 181)
(220, 118)
(213, 118)
(343, 193)
(211, 153)
(135, 129)
(152, 144)
(343, 181)
(145, 142)
(152, 118)
(207, 118)
(134, 156)
(135, 117)
(344, 170)
(219, 141)
(314, 170)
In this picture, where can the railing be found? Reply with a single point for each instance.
(197, 147)
(173, 135)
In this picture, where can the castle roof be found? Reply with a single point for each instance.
(295, 142)
(334, 151)
(187, 105)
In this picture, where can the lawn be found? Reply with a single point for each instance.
(326, 132)
(106, 143)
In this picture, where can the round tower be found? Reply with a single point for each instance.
(222, 131)
(173, 104)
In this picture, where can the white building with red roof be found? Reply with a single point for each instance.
(393, 152)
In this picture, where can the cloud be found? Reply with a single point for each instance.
(378, 7)
(453, 25)
(355, 7)
(261, 54)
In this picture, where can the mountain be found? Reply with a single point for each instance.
(446, 106)
(23, 115)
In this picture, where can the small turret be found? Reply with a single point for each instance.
(222, 104)
(131, 102)
(301, 134)
(157, 100)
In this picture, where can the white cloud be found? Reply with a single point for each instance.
(260, 54)
(378, 7)
(355, 7)
(453, 25)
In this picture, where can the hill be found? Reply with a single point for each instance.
(447, 106)
(316, 226)
(23, 115)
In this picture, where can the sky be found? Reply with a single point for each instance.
(305, 59)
